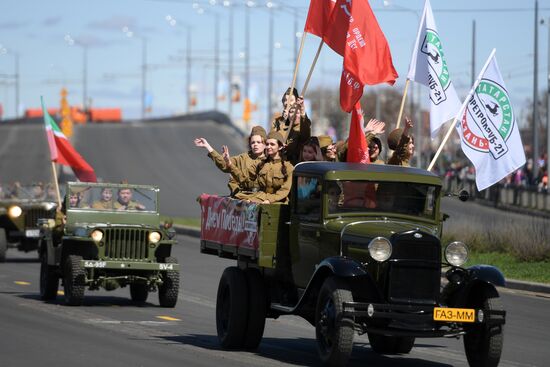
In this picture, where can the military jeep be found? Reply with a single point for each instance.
(108, 236)
(20, 208)
(358, 249)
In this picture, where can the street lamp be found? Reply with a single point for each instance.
(15, 76)
(130, 34)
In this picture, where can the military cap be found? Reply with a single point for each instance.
(375, 140)
(258, 130)
(324, 141)
(276, 135)
(393, 138)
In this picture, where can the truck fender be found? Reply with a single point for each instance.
(476, 276)
(487, 273)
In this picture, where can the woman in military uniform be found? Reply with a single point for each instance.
(273, 173)
(106, 201)
(244, 163)
(403, 145)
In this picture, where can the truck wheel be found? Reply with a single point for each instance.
(334, 333)
(383, 344)
(257, 309)
(49, 281)
(3, 245)
(74, 281)
(232, 308)
(139, 292)
(482, 342)
(168, 291)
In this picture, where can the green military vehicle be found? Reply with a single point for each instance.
(20, 208)
(110, 237)
(358, 249)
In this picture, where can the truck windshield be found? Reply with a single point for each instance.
(381, 196)
(112, 198)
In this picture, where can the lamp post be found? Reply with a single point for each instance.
(72, 42)
(270, 66)
(130, 34)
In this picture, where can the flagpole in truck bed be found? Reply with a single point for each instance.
(461, 111)
(402, 103)
(56, 184)
(304, 88)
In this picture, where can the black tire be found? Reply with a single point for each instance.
(74, 281)
(483, 343)
(232, 308)
(168, 291)
(257, 309)
(49, 280)
(383, 344)
(139, 292)
(3, 245)
(334, 333)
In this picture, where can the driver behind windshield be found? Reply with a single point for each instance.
(125, 202)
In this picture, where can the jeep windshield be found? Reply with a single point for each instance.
(112, 198)
(381, 196)
(26, 192)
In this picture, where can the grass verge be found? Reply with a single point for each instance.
(183, 221)
(511, 267)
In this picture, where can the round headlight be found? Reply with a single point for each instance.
(154, 237)
(97, 235)
(15, 211)
(380, 249)
(456, 253)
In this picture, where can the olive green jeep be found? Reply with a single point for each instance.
(357, 250)
(20, 208)
(108, 236)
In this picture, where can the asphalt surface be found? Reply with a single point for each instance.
(108, 330)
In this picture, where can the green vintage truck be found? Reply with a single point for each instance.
(20, 208)
(358, 249)
(110, 237)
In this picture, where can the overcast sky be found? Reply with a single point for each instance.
(42, 32)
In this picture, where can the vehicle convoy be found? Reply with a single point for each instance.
(358, 249)
(20, 208)
(110, 237)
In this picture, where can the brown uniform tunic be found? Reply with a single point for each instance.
(132, 205)
(244, 163)
(103, 205)
(297, 136)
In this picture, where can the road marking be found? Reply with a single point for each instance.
(20, 282)
(168, 318)
(118, 322)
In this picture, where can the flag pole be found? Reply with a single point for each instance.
(462, 108)
(304, 88)
(298, 61)
(56, 184)
(402, 104)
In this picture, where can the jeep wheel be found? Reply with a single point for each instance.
(168, 291)
(257, 309)
(483, 342)
(139, 292)
(232, 308)
(74, 281)
(334, 333)
(383, 344)
(3, 245)
(49, 281)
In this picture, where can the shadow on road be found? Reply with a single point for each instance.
(91, 301)
(302, 351)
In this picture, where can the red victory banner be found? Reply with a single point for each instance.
(318, 16)
(354, 33)
(229, 221)
(358, 150)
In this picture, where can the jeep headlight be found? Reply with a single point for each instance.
(380, 249)
(15, 211)
(456, 253)
(96, 235)
(154, 237)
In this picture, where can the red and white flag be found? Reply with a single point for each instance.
(358, 150)
(318, 16)
(354, 33)
(62, 152)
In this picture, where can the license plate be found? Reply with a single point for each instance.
(454, 314)
(33, 233)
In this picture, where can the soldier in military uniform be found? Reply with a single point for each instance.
(274, 174)
(245, 162)
(125, 202)
(106, 202)
(328, 148)
(293, 124)
(402, 144)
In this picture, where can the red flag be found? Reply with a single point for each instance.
(318, 16)
(62, 152)
(354, 33)
(358, 150)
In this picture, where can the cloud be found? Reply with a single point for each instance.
(12, 25)
(51, 21)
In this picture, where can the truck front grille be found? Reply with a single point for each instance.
(32, 216)
(126, 244)
(415, 270)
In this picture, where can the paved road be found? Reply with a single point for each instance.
(109, 331)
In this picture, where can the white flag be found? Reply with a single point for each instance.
(429, 67)
(489, 133)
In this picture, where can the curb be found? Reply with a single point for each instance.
(510, 283)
